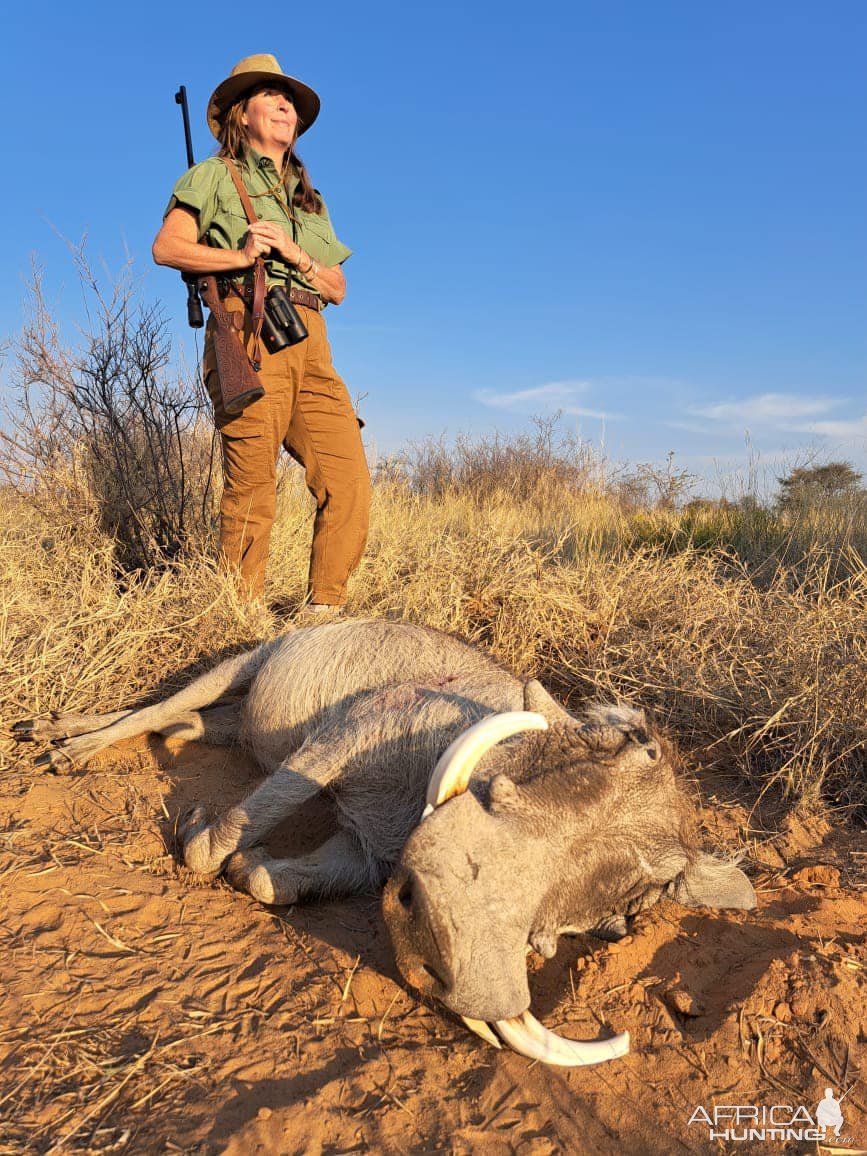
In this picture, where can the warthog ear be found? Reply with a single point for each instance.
(536, 698)
(710, 882)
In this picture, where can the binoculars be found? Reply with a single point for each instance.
(282, 325)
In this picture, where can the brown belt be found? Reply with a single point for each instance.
(245, 291)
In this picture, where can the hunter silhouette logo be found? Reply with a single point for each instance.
(828, 1114)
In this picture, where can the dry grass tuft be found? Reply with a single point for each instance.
(74, 634)
(79, 1087)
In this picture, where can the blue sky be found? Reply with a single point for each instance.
(650, 216)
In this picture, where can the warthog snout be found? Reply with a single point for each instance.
(422, 941)
(459, 935)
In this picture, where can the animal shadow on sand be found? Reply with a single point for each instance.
(720, 961)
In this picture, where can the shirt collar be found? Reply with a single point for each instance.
(255, 161)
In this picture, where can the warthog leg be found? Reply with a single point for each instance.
(63, 726)
(206, 846)
(175, 712)
(339, 867)
(217, 725)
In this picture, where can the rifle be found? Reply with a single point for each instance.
(238, 381)
(195, 316)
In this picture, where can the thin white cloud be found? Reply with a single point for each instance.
(562, 395)
(857, 428)
(776, 409)
(789, 413)
(554, 392)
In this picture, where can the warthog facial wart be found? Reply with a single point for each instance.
(496, 819)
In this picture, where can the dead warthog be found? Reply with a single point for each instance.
(501, 819)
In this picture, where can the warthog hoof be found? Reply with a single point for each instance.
(268, 880)
(56, 760)
(195, 840)
(25, 730)
(247, 871)
(47, 726)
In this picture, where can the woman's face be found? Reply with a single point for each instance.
(269, 118)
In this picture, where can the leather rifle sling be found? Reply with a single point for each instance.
(258, 308)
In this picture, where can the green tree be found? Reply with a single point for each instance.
(809, 486)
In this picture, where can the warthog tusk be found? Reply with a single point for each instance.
(481, 1029)
(526, 1035)
(451, 775)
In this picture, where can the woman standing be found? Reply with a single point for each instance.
(257, 114)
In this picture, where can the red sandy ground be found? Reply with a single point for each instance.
(144, 1009)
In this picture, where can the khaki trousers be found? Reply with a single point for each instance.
(307, 410)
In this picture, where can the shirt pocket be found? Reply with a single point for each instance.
(316, 236)
(231, 220)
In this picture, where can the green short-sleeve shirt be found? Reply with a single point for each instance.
(208, 190)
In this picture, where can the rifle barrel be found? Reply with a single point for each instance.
(195, 317)
(181, 99)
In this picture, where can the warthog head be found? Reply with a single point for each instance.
(573, 827)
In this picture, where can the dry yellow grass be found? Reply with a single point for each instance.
(137, 1006)
(752, 653)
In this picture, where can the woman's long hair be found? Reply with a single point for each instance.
(234, 144)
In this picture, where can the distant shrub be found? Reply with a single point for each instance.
(539, 466)
(645, 485)
(103, 430)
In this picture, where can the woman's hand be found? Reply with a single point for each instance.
(176, 245)
(329, 282)
(269, 236)
(255, 245)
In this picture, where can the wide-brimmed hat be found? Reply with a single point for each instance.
(249, 72)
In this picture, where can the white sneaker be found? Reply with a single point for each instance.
(317, 614)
